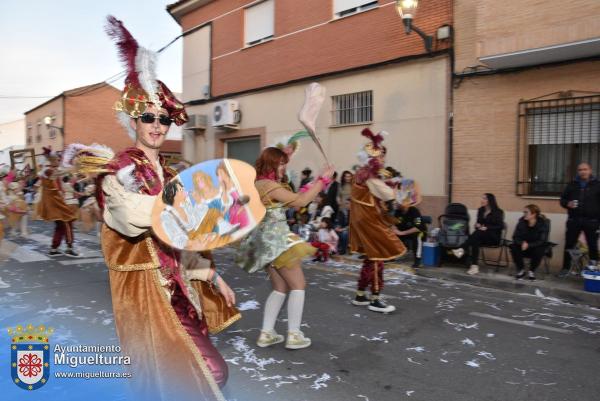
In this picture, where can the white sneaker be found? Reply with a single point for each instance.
(296, 340)
(474, 269)
(593, 265)
(459, 252)
(266, 339)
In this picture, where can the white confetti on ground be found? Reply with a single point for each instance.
(468, 341)
(473, 363)
(416, 349)
(64, 311)
(522, 371)
(487, 355)
(490, 335)
(363, 396)
(539, 338)
(249, 305)
(106, 322)
(321, 382)
(443, 360)
(249, 354)
(412, 361)
(331, 356)
(410, 392)
(541, 352)
(461, 326)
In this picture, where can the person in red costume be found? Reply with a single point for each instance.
(372, 233)
(52, 206)
(157, 303)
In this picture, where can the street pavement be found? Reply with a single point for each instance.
(446, 340)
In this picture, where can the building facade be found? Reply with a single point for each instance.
(246, 64)
(526, 103)
(82, 115)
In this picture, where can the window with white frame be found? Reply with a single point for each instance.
(259, 22)
(352, 108)
(342, 8)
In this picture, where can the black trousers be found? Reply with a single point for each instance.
(589, 228)
(413, 242)
(536, 254)
(477, 239)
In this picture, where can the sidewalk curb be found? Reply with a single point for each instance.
(510, 284)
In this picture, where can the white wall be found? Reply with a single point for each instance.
(410, 102)
(12, 136)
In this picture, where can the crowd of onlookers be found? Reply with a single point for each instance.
(325, 224)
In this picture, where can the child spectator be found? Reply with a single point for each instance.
(327, 240)
(342, 220)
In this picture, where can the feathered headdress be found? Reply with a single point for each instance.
(292, 144)
(374, 147)
(141, 85)
(369, 155)
(49, 154)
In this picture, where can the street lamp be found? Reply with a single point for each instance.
(407, 9)
(48, 122)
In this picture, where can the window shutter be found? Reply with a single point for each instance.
(564, 125)
(259, 21)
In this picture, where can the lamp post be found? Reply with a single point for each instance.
(407, 9)
(48, 122)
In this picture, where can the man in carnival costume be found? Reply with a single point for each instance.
(160, 313)
(52, 206)
(371, 233)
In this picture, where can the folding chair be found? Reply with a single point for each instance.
(502, 259)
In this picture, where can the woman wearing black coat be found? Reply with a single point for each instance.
(488, 231)
(529, 240)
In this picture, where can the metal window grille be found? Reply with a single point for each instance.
(353, 108)
(554, 137)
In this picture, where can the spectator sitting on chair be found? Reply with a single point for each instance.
(582, 200)
(411, 230)
(342, 220)
(488, 230)
(529, 240)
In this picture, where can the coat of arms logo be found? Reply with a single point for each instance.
(30, 356)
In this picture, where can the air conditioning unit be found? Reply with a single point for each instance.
(196, 121)
(226, 114)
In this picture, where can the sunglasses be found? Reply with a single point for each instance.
(149, 118)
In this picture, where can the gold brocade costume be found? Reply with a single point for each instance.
(370, 234)
(52, 206)
(167, 362)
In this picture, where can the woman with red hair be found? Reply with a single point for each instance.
(272, 246)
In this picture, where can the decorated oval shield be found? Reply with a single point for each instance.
(208, 205)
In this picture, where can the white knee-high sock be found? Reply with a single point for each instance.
(295, 307)
(272, 308)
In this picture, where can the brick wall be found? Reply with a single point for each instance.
(90, 118)
(485, 129)
(370, 37)
(488, 27)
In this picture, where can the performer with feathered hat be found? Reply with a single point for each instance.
(52, 206)
(160, 313)
(273, 247)
(371, 234)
